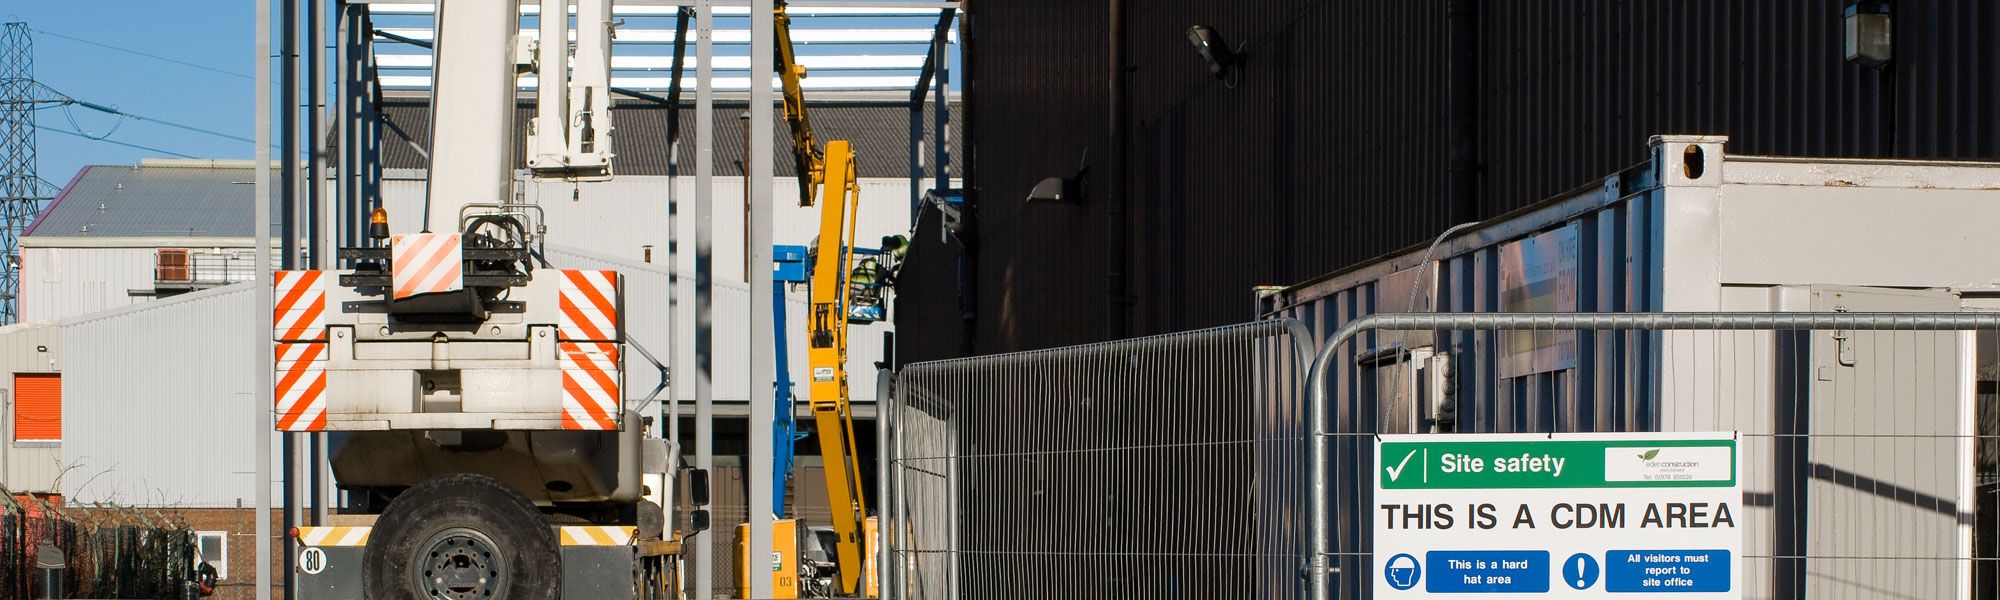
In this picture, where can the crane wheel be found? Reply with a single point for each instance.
(462, 537)
(650, 519)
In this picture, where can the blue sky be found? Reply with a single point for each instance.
(217, 34)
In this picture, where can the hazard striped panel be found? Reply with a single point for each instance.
(590, 385)
(300, 388)
(423, 263)
(298, 334)
(300, 312)
(587, 330)
(334, 536)
(596, 535)
(589, 306)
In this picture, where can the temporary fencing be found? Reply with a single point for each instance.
(1208, 464)
(1162, 467)
(1866, 438)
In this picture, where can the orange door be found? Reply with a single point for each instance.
(37, 407)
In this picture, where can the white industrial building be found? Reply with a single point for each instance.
(136, 298)
(122, 235)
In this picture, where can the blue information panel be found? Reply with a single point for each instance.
(1486, 572)
(1666, 571)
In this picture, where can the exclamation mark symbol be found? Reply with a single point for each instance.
(1580, 583)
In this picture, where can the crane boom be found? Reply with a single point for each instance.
(829, 175)
(807, 159)
(827, 393)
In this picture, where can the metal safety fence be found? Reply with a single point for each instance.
(106, 552)
(1867, 441)
(1161, 467)
(1204, 465)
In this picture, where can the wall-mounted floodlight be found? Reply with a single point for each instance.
(1066, 190)
(1868, 33)
(1221, 58)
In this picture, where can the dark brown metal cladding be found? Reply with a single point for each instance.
(879, 131)
(1335, 144)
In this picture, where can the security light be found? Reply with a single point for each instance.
(1057, 189)
(1868, 33)
(1065, 190)
(1221, 59)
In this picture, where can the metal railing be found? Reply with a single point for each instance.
(1160, 467)
(1869, 439)
(202, 268)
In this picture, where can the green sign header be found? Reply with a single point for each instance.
(1515, 464)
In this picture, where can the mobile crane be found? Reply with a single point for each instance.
(473, 394)
(827, 177)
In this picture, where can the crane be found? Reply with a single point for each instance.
(474, 394)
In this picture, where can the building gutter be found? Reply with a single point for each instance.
(48, 241)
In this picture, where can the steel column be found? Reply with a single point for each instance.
(343, 15)
(260, 392)
(940, 109)
(322, 224)
(757, 179)
(885, 409)
(288, 173)
(704, 277)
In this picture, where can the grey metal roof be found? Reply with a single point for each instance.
(199, 199)
(880, 133)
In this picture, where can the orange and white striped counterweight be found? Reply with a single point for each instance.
(587, 335)
(584, 366)
(298, 336)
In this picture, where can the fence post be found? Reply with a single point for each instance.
(885, 504)
(952, 428)
(1318, 538)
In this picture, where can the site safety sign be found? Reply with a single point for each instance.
(1585, 515)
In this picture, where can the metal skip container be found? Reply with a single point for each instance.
(1695, 229)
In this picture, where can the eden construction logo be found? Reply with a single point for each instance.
(1671, 463)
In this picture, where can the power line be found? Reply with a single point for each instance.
(110, 141)
(142, 53)
(114, 111)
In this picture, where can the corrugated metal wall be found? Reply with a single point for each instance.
(1572, 88)
(28, 467)
(62, 282)
(879, 130)
(153, 423)
(1333, 146)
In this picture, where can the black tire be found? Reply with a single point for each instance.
(484, 539)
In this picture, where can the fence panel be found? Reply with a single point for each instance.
(1162, 467)
(1870, 442)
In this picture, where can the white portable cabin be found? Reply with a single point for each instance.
(1861, 473)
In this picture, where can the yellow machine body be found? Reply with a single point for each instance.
(783, 561)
